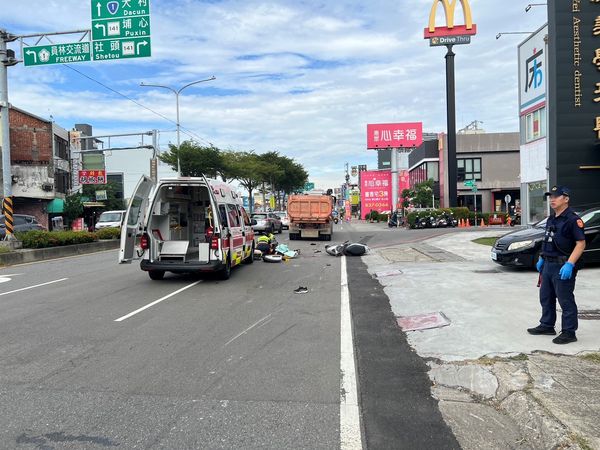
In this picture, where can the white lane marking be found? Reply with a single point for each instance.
(133, 313)
(350, 433)
(34, 286)
(247, 329)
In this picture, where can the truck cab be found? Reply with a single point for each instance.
(186, 225)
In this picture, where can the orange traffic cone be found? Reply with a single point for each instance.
(468, 221)
(482, 222)
(460, 223)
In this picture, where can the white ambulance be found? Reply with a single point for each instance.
(186, 225)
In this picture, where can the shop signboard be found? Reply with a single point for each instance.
(375, 191)
(394, 135)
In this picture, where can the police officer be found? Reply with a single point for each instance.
(564, 243)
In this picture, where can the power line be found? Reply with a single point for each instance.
(185, 130)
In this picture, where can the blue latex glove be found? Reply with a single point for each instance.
(540, 264)
(566, 271)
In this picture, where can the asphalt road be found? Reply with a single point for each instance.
(243, 363)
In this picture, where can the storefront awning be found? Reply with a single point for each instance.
(56, 206)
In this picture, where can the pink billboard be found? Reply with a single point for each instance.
(394, 135)
(375, 191)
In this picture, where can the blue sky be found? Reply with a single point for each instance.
(302, 77)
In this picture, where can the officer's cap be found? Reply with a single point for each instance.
(557, 191)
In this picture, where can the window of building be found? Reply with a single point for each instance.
(537, 201)
(535, 125)
(468, 169)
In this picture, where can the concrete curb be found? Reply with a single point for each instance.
(43, 254)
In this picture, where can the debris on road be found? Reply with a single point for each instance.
(272, 258)
(423, 321)
(388, 273)
(301, 290)
(354, 249)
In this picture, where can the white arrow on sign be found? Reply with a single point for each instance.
(144, 43)
(31, 52)
(101, 25)
(99, 6)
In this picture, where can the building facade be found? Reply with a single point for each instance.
(490, 161)
(533, 126)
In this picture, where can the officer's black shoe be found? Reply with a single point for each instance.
(541, 330)
(564, 338)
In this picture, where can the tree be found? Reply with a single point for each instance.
(249, 169)
(73, 208)
(424, 194)
(196, 160)
(111, 188)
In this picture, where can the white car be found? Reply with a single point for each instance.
(110, 219)
(285, 219)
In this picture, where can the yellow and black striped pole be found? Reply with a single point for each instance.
(7, 210)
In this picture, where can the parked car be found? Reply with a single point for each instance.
(110, 219)
(285, 219)
(267, 222)
(522, 248)
(21, 222)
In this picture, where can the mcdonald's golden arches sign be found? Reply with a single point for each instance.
(451, 29)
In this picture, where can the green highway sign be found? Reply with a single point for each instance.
(111, 9)
(121, 48)
(469, 183)
(309, 186)
(120, 29)
(41, 55)
(125, 27)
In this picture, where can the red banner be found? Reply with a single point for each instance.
(375, 191)
(394, 135)
(92, 177)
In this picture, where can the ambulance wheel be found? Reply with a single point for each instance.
(156, 274)
(225, 273)
(250, 259)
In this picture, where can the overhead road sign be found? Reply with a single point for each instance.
(309, 186)
(41, 55)
(111, 9)
(120, 29)
(121, 48)
(469, 183)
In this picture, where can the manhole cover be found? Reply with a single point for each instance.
(589, 314)
(488, 271)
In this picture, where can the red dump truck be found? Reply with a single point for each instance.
(310, 216)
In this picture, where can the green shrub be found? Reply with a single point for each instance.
(44, 239)
(109, 233)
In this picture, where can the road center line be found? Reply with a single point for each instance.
(350, 433)
(34, 286)
(133, 313)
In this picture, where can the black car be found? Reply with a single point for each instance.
(522, 248)
(21, 222)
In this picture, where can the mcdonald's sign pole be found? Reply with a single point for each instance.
(449, 36)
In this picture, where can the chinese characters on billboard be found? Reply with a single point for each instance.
(394, 135)
(92, 177)
(375, 191)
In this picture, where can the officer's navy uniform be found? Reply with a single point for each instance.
(562, 233)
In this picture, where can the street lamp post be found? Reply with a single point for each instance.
(177, 92)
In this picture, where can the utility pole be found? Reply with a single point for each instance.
(7, 58)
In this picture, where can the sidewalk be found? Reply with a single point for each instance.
(498, 386)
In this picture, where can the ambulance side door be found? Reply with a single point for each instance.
(236, 234)
(248, 230)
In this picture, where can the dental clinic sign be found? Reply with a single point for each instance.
(574, 97)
